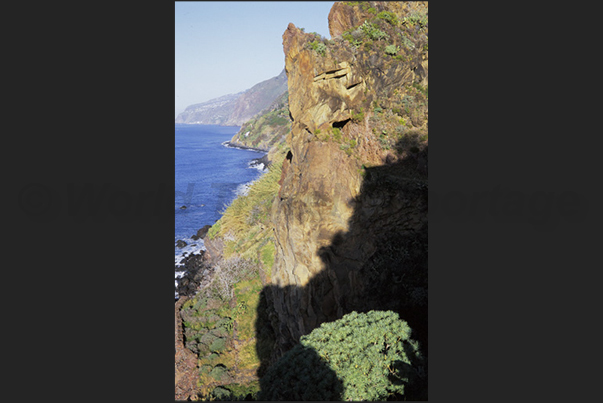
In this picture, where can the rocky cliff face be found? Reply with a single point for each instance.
(236, 109)
(350, 220)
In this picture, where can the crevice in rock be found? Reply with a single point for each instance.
(353, 85)
(340, 124)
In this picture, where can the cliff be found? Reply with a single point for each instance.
(236, 109)
(213, 112)
(268, 128)
(339, 223)
(350, 220)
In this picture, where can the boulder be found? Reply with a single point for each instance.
(203, 231)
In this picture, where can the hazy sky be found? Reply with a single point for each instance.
(225, 47)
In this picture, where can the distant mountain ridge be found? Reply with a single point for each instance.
(235, 109)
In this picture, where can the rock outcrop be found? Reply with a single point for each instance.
(350, 221)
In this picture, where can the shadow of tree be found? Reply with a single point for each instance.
(379, 263)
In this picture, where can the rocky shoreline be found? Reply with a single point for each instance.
(197, 268)
(243, 147)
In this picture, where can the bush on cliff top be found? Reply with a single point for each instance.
(362, 356)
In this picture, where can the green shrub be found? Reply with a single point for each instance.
(416, 17)
(362, 356)
(372, 31)
(384, 142)
(358, 116)
(220, 393)
(337, 134)
(205, 369)
(217, 345)
(391, 50)
(354, 37)
(408, 44)
(218, 372)
(318, 47)
(389, 17)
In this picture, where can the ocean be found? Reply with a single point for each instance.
(209, 175)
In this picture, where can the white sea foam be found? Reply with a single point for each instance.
(192, 247)
(260, 166)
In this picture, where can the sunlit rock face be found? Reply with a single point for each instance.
(345, 222)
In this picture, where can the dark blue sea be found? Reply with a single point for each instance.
(209, 175)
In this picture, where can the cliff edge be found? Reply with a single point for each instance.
(350, 220)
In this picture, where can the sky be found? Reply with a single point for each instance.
(225, 47)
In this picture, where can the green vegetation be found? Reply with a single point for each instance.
(233, 296)
(253, 209)
(358, 116)
(389, 17)
(318, 47)
(408, 44)
(383, 141)
(391, 50)
(421, 89)
(337, 134)
(348, 146)
(362, 356)
(267, 128)
(235, 392)
(371, 31)
(416, 18)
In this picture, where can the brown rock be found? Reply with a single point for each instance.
(335, 229)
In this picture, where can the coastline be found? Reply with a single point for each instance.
(243, 147)
(192, 268)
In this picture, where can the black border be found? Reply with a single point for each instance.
(91, 101)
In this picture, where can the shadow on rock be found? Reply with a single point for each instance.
(380, 263)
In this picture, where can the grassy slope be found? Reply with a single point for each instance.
(246, 232)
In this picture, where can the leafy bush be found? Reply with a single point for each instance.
(355, 37)
(218, 372)
(416, 17)
(391, 50)
(217, 345)
(318, 47)
(389, 17)
(220, 393)
(408, 44)
(362, 356)
(372, 31)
